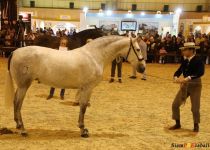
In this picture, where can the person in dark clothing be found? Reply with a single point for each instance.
(192, 68)
(116, 62)
(174, 45)
(168, 43)
(20, 32)
(15, 25)
(52, 90)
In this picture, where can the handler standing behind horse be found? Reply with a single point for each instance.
(116, 63)
(63, 46)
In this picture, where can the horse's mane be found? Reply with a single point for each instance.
(106, 40)
(110, 38)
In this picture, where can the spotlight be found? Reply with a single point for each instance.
(129, 14)
(100, 11)
(178, 11)
(159, 12)
(171, 13)
(143, 13)
(198, 28)
(85, 9)
(108, 12)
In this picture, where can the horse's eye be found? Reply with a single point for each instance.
(138, 50)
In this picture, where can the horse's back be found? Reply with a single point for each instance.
(64, 69)
(44, 53)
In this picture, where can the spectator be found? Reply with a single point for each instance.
(20, 32)
(63, 46)
(30, 37)
(163, 53)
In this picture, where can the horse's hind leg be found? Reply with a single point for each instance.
(15, 111)
(18, 101)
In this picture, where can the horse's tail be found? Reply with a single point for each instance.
(9, 86)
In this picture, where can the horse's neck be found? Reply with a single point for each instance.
(104, 54)
(113, 51)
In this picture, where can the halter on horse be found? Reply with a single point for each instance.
(139, 69)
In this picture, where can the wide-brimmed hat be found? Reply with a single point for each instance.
(190, 45)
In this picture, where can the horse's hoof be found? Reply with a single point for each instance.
(85, 133)
(18, 126)
(24, 133)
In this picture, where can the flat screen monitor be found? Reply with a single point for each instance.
(128, 25)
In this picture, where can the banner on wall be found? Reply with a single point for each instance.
(148, 27)
(62, 26)
(109, 25)
(48, 24)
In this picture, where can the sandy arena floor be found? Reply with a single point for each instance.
(128, 116)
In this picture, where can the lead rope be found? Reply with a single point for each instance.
(171, 81)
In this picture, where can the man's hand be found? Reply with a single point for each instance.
(176, 80)
(181, 80)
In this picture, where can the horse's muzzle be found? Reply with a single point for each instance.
(140, 68)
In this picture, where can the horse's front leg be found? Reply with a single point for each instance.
(84, 99)
(83, 130)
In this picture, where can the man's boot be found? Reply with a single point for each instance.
(111, 80)
(176, 126)
(62, 97)
(196, 127)
(120, 80)
(132, 77)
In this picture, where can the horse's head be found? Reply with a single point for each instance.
(135, 56)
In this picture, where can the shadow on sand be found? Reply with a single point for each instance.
(42, 134)
(68, 103)
(181, 132)
(45, 96)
